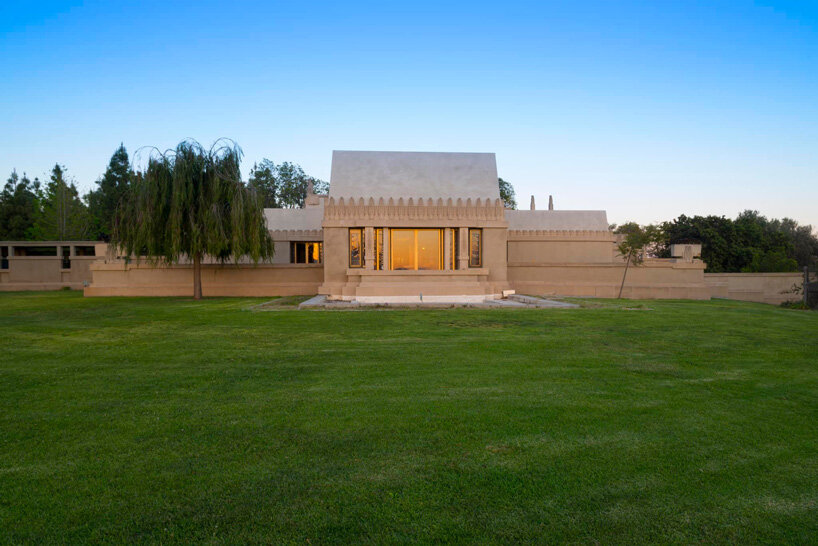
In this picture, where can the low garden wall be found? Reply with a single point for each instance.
(46, 265)
(655, 279)
(773, 288)
(121, 279)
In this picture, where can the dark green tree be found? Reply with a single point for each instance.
(804, 242)
(319, 187)
(292, 186)
(63, 216)
(284, 185)
(19, 207)
(111, 187)
(264, 180)
(507, 194)
(191, 202)
(717, 234)
(750, 243)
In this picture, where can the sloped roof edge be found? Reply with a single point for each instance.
(413, 174)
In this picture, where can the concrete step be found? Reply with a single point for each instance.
(541, 302)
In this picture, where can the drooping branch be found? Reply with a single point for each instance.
(191, 202)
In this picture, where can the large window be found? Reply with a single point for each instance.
(356, 247)
(455, 249)
(379, 249)
(416, 249)
(475, 248)
(306, 252)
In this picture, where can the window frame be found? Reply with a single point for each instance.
(455, 248)
(479, 233)
(306, 245)
(361, 250)
(65, 259)
(379, 257)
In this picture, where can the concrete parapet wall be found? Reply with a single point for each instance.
(119, 279)
(772, 288)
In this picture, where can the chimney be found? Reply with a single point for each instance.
(532, 203)
(550, 203)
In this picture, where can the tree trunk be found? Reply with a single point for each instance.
(197, 276)
(621, 286)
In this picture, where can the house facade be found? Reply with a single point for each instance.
(406, 226)
(400, 226)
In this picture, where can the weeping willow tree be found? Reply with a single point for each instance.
(191, 203)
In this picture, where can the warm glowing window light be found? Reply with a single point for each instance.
(379, 249)
(356, 247)
(306, 252)
(416, 249)
(475, 247)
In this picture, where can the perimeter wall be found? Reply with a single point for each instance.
(772, 288)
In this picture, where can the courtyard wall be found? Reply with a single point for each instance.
(772, 288)
(143, 279)
(66, 265)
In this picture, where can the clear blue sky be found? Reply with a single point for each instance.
(646, 109)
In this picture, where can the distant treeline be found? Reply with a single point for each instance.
(31, 210)
(751, 243)
(54, 210)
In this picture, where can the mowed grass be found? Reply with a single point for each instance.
(169, 420)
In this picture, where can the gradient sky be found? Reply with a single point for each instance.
(646, 109)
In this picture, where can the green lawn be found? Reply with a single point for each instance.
(168, 420)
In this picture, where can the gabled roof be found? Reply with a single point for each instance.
(413, 174)
(557, 220)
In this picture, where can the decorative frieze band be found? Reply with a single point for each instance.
(561, 234)
(297, 234)
(420, 209)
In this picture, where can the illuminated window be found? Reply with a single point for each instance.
(306, 252)
(356, 247)
(379, 249)
(475, 247)
(455, 247)
(416, 249)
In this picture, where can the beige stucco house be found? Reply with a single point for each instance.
(405, 226)
(401, 227)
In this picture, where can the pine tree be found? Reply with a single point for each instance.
(64, 217)
(112, 186)
(19, 207)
